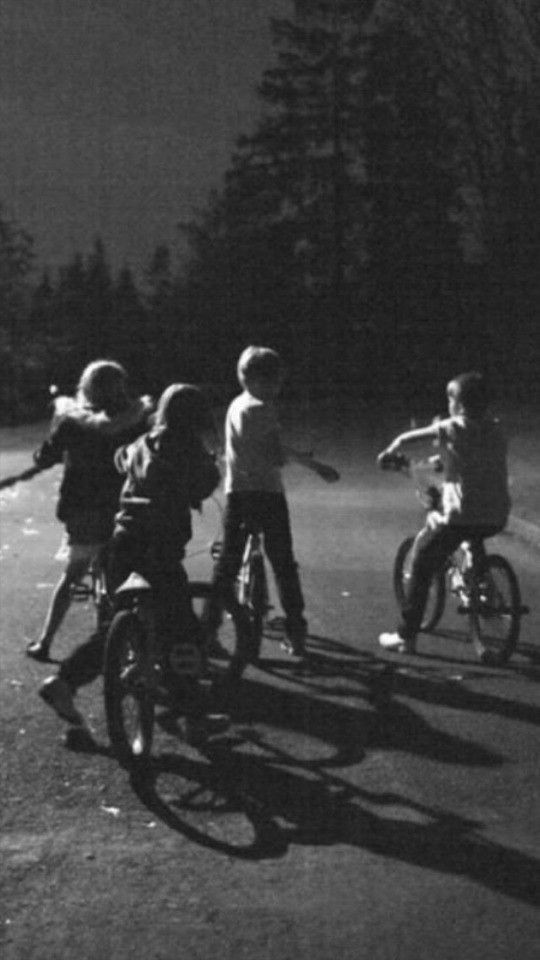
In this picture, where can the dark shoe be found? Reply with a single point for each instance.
(245, 652)
(38, 651)
(56, 693)
(296, 632)
(197, 730)
(216, 723)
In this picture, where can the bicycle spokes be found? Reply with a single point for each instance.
(495, 610)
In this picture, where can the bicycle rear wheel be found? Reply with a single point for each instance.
(129, 705)
(436, 599)
(495, 614)
(256, 603)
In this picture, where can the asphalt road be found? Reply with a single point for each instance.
(322, 825)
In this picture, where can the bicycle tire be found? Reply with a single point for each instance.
(436, 600)
(102, 603)
(495, 614)
(257, 594)
(124, 669)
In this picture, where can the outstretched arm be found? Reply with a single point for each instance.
(322, 470)
(137, 413)
(410, 437)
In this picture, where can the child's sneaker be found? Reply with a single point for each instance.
(393, 641)
(38, 650)
(57, 694)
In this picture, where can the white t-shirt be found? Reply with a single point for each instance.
(475, 489)
(253, 452)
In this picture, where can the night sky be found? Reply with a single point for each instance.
(118, 116)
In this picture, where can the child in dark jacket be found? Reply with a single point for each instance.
(162, 485)
(85, 431)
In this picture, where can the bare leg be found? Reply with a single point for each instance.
(58, 607)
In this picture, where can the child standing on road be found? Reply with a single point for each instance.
(84, 434)
(475, 498)
(254, 456)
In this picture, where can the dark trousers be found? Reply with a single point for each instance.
(430, 558)
(159, 562)
(269, 513)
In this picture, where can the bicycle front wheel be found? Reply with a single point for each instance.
(129, 705)
(495, 614)
(401, 578)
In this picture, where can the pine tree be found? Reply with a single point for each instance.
(130, 342)
(98, 303)
(16, 260)
(164, 321)
(285, 235)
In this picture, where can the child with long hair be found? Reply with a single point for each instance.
(84, 433)
(162, 485)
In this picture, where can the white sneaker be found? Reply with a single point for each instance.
(392, 641)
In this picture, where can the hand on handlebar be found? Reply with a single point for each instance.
(390, 459)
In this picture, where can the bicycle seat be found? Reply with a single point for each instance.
(135, 583)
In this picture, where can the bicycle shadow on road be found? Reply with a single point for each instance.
(233, 776)
(428, 678)
(289, 802)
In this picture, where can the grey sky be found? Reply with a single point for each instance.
(118, 116)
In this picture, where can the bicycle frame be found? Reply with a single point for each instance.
(484, 584)
(93, 586)
(253, 549)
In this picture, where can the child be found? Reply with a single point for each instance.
(254, 456)
(475, 498)
(167, 473)
(84, 434)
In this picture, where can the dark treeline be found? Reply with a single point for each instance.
(380, 225)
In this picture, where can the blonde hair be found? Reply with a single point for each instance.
(103, 385)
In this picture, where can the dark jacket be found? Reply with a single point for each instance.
(90, 481)
(155, 497)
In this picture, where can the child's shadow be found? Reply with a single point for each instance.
(288, 802)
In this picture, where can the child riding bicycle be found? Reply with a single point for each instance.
(475, 499)
(255, 497)
(168, 472)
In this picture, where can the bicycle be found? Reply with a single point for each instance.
(251, 586)
(138, 674)
(484, 585)
(93, 587)
(253, 595)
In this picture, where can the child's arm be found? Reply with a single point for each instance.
(419, 435)
(136, 413)
(306, 460)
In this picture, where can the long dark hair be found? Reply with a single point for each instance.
(182, 412)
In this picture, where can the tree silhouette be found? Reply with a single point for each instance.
(130, 342)
(99, 341)
(16, 260)
(282, 243)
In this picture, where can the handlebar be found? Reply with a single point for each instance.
(394, 461)
(401, 463)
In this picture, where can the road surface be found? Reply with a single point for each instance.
(322, 825)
